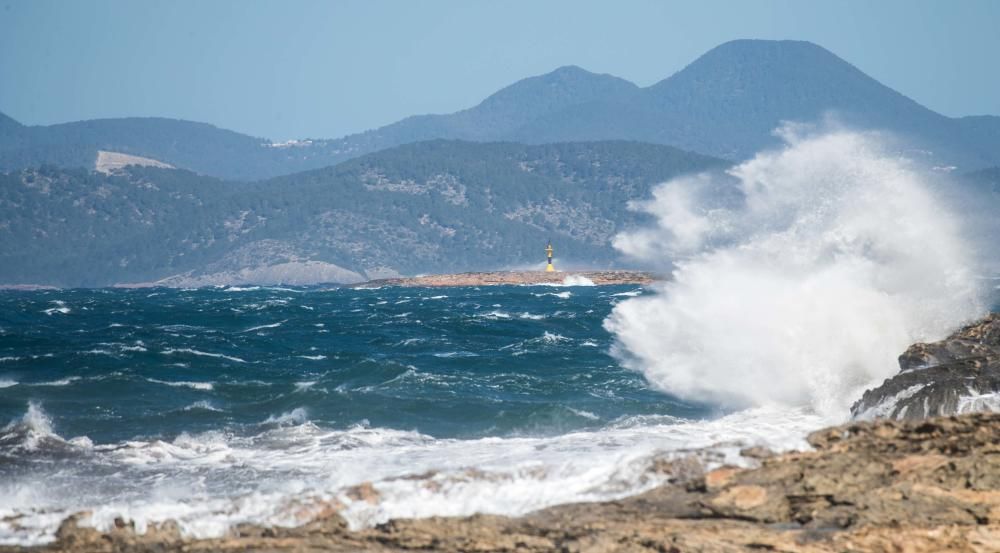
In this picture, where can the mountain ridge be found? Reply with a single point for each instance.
(726, 103)
(436, 206)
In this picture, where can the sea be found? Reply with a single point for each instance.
(221, 406)
(270, 405)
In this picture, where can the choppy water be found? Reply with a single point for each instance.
(219, 406)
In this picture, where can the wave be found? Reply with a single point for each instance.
(297, 468)
(299, 415)
(832, 259)
(561, 295)
(61, 382)
(203, 405)
(262, 327)
(172, 351)
(7, 383)
(494, 315)
(629, 294)
(205, 386)
(452, 354)
(553, 338)
(34, 432)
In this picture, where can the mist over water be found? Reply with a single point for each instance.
(835, 256)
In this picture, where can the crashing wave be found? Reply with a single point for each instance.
(830, 258)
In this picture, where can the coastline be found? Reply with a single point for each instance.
(875, 486)
(495, 278)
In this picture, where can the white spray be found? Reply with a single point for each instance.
(837, 257)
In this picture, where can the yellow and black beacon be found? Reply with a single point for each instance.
(548, 251)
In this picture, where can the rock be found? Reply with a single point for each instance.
(915, 486)
(757, 452)
(960, 374)
(363, 492)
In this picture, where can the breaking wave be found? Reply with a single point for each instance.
(826, 260)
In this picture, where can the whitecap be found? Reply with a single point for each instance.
(562, 295)
(450, 354)
(202, 405)
(205, 386)
(494, 315)
(261, 327)
(61, 382)
(553, 338)
(172, 351)
(7, 383)
(299, 415)
(313, 357)
(584, 414)
(629, 294)
(98, 352)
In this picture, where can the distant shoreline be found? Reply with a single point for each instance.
(497, 278)
(487, 278)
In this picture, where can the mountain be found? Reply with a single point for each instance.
(423, 207)
(198, 147)
(212, 151)
(726, 104)
(505, 112)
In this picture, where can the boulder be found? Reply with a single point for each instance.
(960, 374)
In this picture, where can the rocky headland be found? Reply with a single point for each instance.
(598, 278)
(916, 484)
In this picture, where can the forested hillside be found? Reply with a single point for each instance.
(425, 207)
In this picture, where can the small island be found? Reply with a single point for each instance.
(495, 278)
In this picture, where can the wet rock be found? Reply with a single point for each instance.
(757, 452)
(922, 486)
(959, 374)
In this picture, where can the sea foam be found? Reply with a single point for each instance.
(836, 258)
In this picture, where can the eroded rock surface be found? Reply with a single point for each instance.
(959, 374)
(922, 486)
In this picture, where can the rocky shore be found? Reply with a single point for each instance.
(929, 486)
(956, 375)
(915, 485)
(598, 278)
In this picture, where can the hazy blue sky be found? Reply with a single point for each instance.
(324, 69)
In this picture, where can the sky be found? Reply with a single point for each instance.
(324, 69)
